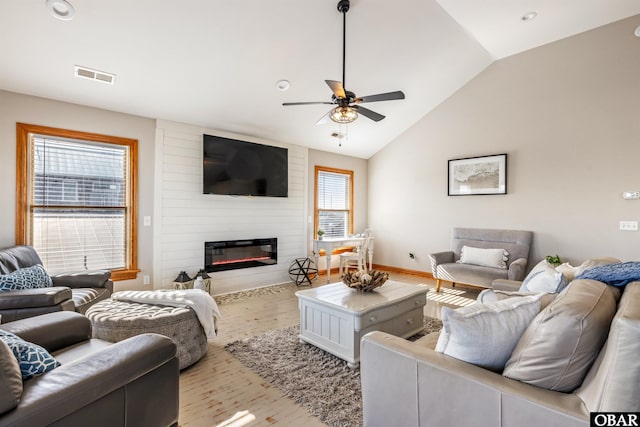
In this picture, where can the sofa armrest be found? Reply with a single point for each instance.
(506, 285)
(439, 258)
(84, 279)
(70, 388)
(402, 380)
(52, 331)
(516, 269)
(37, 297)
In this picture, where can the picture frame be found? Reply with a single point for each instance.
(478, 175)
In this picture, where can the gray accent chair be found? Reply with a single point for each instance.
(70, 292)
(444, 265)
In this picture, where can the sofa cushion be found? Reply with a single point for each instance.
(494, 258)
(613, 384)
(10, 379)
(544, 278)
(32, 359)
(485, 334)
(559, 346)
(26, 278)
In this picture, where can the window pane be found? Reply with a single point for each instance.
(78, 173)
(334, 224)
(333, 190)
(76, 239)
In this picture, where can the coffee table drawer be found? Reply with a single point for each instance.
(383, 314)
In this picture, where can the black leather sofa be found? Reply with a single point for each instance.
(132, 383)
(70, 292)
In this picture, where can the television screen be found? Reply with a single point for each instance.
(241, 168)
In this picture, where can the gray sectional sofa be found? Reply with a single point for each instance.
(410, 384)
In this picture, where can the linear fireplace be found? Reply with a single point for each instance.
(234, 254)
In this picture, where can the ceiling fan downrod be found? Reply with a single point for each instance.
(343, 7)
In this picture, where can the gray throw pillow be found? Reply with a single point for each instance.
(10, 379)
(560, 345)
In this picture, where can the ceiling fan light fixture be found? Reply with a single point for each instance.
(343, 115)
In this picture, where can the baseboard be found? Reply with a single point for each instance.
(425, 274)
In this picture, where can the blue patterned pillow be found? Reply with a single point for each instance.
(26, 278)
(33, 359)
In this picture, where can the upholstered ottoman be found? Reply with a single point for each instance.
(117, 320)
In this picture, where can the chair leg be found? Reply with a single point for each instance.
(438, 283)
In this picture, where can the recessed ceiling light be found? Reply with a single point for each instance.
(61, 9)
(529, 16)
(283, 85)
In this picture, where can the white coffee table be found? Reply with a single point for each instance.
(335, 317)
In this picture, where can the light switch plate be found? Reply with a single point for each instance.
(629, 225)
(147, 221)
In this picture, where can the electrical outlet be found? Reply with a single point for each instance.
(146, 279)
(412, 256)
(146, 221)
(628, 226)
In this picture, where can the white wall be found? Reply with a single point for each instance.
(566, 113)
(186, 218)
(360, 193)
(40, 111)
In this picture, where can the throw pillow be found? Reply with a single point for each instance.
(10, 379)
(495, 258)
(493, 295)
(33, 359)
(486, 334)
(544, 278)
(26, 278)
(559, 346)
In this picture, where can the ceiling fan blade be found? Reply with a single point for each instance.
(376, 117)
(324, 119)
(389, 96)
(337, 88)
(306, 103)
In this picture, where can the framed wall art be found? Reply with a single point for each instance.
(478, 175)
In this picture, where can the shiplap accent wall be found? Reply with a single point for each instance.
(185, 218)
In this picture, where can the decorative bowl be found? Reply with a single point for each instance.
(364, 280)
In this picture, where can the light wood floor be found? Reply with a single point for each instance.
(219, 391)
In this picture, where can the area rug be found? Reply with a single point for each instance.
(317, 380)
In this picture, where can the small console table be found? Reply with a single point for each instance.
(330, 244)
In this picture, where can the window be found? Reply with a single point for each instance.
(334, 202)
(76, 199)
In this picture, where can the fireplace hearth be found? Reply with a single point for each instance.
(235, 254)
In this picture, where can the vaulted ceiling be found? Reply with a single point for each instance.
(216, 63)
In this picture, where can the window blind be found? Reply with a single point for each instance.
(334, 193)
(79, 204)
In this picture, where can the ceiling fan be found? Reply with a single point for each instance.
(347, 103)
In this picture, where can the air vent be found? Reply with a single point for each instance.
(99, 76)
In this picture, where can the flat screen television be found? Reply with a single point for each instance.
(241, 168)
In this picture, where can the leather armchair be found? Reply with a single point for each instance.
(130, 383)
(70, 291)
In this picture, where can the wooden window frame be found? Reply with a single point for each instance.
(316, 215)
(23, 196)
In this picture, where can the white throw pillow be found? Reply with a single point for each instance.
(544, 278)
(486, 334)
(495, 258)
